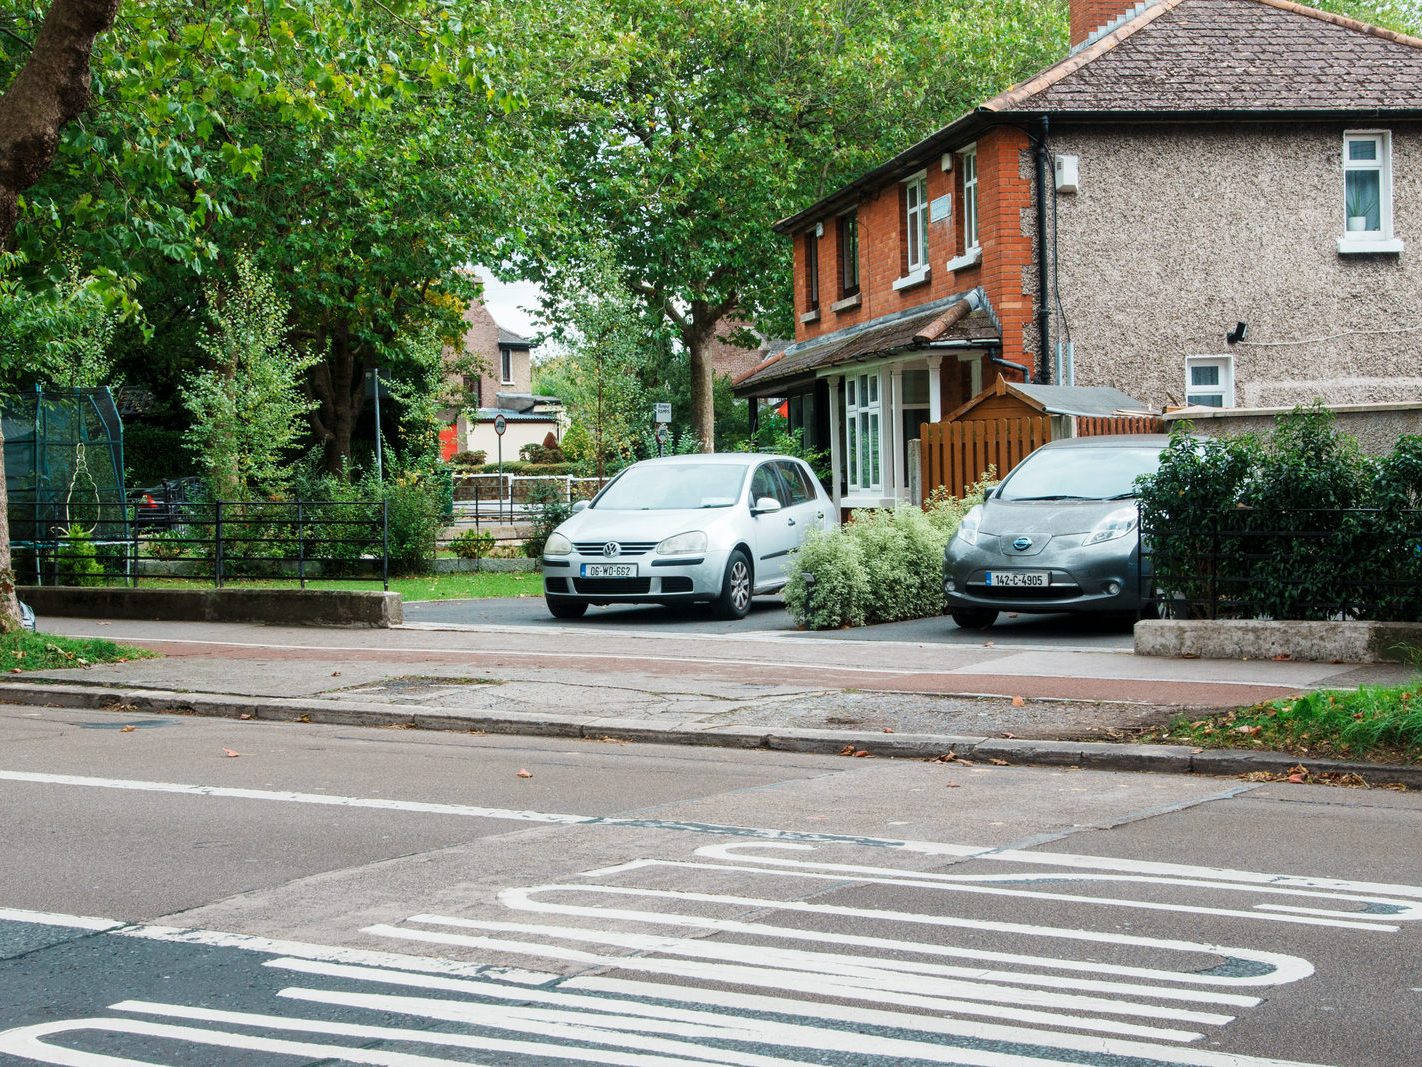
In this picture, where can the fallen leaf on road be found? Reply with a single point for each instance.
(303, 718)
(335, 674)
(1018, 702)
(1010, 737)
(127, 729)
(16, 670)
(847, 750)
(952, 785)
(888, 729)
(1297, 779)
(998, 762)
(989, 644)
(1189, 655)
(245, 715)
(1247, 729)
(1282, 656)
(947, 757)
(524, 773)
(228, 752)
(861, 752)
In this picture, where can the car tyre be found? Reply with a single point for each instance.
(735, 599)
(566, 609)
(973, 618)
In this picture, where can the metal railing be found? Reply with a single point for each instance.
(1303, 564)
(216, 542)
(503, 498)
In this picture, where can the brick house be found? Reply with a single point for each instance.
(1205, 203)
(504, 387)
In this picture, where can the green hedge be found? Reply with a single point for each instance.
(1299, 524)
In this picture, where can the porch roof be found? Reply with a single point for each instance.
(954, 319)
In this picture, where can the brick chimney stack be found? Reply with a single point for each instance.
(1088, 16)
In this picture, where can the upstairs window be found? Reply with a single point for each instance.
(969, 157)
(506, 366)
(1367, 186)
(849, 254)
(916, 224)
(812, 270)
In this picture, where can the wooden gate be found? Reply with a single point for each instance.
(956, 454)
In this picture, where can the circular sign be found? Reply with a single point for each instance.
(661, 433)
(500, 424)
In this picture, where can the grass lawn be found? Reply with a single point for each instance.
(1373, 723)
(461, 586)
(43, 652)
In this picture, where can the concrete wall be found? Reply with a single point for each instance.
(1178, 232)
(1376, 426)
(279, 607)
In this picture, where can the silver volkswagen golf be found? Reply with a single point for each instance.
(1059, 534)
(716, 529)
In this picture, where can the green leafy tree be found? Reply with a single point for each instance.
(246, 404)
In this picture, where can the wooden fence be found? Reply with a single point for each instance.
(955, 454)
(1099, 426)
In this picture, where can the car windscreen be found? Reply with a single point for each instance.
(674, 486)
(1084, 473)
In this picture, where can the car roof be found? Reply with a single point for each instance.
(719, 458)
(1119, 440)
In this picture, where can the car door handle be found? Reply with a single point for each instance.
(790, 522)
(819, 515)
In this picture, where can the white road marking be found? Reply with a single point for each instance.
(49, 918)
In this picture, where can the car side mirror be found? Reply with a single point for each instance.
(766, 505)
(580, 505)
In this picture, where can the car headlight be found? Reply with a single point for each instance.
(968, 528)
(557, 545)
(682, 543)
(1117, 524)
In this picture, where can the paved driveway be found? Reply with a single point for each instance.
(768, 614)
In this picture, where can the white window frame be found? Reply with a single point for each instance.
(1380, 239)
(1224, 390)
(969, 157)
(506, 376)
(863, 432)
(916, 223)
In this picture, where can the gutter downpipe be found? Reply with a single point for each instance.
(1044, 348)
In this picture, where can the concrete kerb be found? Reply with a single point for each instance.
(1093, 755)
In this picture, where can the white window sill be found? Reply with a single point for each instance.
(847, 304)
(1357, 246)
(811, 316)
(908, 281)
(967, 259)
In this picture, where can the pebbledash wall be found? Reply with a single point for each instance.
(1178, 232)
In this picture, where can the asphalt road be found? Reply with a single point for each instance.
(768, 615)
(187, 891)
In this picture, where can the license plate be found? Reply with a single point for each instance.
(1030, 579)
(609, 570)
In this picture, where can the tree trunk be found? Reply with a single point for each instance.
(699, 330)
(338, 385)
(51, 90)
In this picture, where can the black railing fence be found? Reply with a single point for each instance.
(1305, 564)
(215, 542)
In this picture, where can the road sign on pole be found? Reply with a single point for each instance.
(661, 434)
(500, 425)
(661, 413)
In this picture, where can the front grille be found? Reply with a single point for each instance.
(613, 586)
(555, 585)
(676, 584)
(1026, 592)
(629, 548)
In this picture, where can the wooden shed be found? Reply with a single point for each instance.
(1002, 424)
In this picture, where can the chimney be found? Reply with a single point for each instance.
(1088, 16)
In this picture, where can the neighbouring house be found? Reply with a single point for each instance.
(504, 387)
(1208, 202)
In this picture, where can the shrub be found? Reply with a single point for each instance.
(577, 443)
(78, 559)
(827, 588)
(548, 452)
(415, 509)
(882, 566)
(472, 544)
(549, 509)
(475, 458)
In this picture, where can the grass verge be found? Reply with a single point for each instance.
(470, 585)
(1376, 723)
(45, 652)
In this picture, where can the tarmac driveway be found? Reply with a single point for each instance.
(768, 615)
